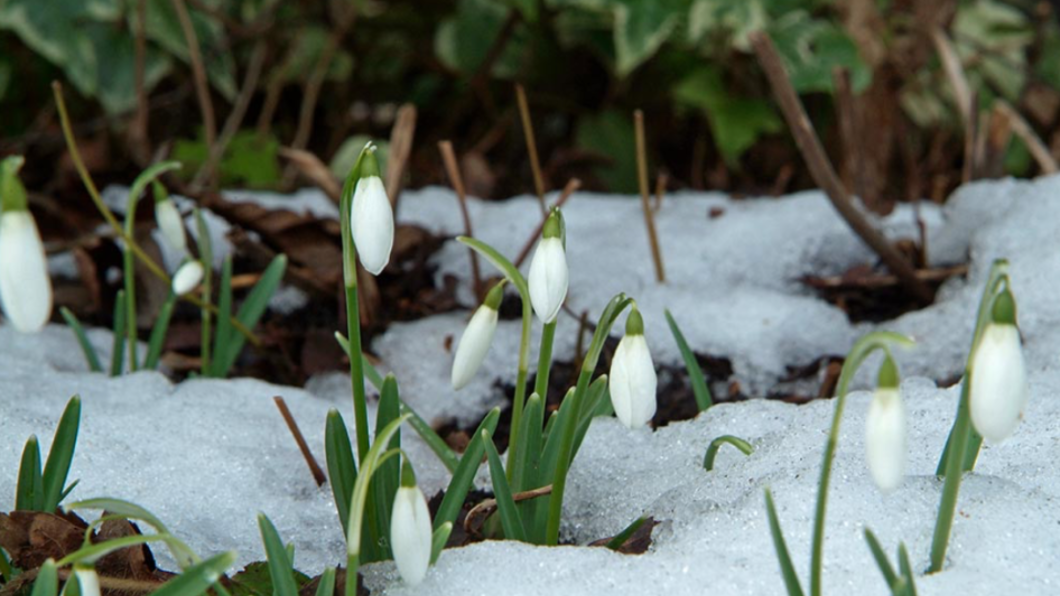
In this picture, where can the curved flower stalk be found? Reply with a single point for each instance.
(632, 380)
(411, 536)
(886, 429)
(475, 342)
(371, 216)
(25, 288)
(549, 276)
(998, 391)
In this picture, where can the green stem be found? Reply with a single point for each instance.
(861, 350)
(952, 484)
(352, 564)
(353, 323)
(128, 265)
(544, 360)
(715, 445)
(514, 447)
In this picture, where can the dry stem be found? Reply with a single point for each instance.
(314, 467)
(642, 176)
(453, 170)
(531, 145)
(572, 185)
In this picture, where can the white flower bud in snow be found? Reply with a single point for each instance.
(886, 430)
(167, 216)
(87, 581)
(25, 288)
(998, 391)
(410, 529)
(632, 382)
(548, 270)
(371, 217)
(475, 342)
(187, 277)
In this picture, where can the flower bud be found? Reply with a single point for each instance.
(632, 381)
(371, 217)
(548, 270)
(475, 342)
(187, 277)
(410, 529)
(169, 221)
(998, 391)
(886, 430)
(87, 581)
(25, 288)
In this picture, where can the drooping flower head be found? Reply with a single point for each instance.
(998, 392)
(168, 219)
(886, 431)
(410, 529)
(632, 381)
(475, 342)
(25, 288)
(187, 277)
(371, 216)
(548, 270)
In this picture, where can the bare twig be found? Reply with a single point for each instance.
(642, 176)
(531, 145)
(951, 63)
(453, 170)
(485, 508)
(971, 136)
(400, 148)
(1034, 143)
(202, 88)
(314, 169)
(849, 128)
(822, 170)
(314, 467)
(660, 191)
(235, 119)
(572, 185)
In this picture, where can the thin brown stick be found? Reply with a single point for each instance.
(579, 345)
(849, 130)
(951, 63)
(453, 170)
(314, 85)
(314, 467)
(822, 170)
(531, 145)
(660, 191)
(268, 108)
(642, 177)
(1034, 143)
(971, 136)
(572, 185)
(138, 130)
(315, 170)
(485, 508)
(400, 148)
(202, 89)
(235, 119)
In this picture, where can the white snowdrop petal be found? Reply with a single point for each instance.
(632, 382)
(372, 224)
(473, 346)
(88, 581)
(411, 534)
(998, 392)
(25, 288)
(548, 279)
(886, 437)
(187, 277)
(167, 216)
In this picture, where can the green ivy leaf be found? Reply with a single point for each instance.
(162, 26)
(463, 41)
(255, 580)
(610, 133)
(812, 48)
(641, 27)
(991, 39)
(249, 160)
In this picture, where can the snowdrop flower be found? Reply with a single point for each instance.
(998, 390)
(476, 340)
(548, 270)
(187, 277)
(169, 221)
(25, 288)
(371, 217)
(410, 529)
(886, 430)
(632, 381)
(87, 580)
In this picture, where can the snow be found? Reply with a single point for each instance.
(205, 455)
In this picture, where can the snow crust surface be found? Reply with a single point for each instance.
(206, 455)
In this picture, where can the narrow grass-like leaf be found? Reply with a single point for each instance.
(29, 492)
(60, 455)
(880, 557)
(90, 553)
(69, 489)
(184, 556)
(6, 570)
(223, 335)
(550, 453)
(621, 538)
(511, 522)
(695, 374)
(906, 570)
(342, 468)
(523, 475)
(435, 442)
(715, 445)
(438, 540)
(198, 578)
(251, 311)
(596, 398)
(158, 332)
(500, 262)
(787, 570)
(47, 582)
(372, 459)
(388, 476)
(465, 472)
(206, 256)
(326, 587)
(281, 569)
(91, 357)
(148, 176)
(117, 355)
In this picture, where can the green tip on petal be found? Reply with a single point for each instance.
(553, 227)
(1004, 310)
(634, 323)
(369, 163)
(495, 296)
(159, 191)
(12, 193)
(408, 475)
(888, 377)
